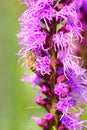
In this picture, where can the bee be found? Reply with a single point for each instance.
(30, 60)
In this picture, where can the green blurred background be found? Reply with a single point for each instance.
(16, 98)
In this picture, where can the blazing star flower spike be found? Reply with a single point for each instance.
(49, 34)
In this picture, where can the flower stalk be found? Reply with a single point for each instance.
(50, 30)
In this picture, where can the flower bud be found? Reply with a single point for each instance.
(50, 118)
(62, 127)
(41, 122)
(43, 102)
(46, 91)
(61, 79)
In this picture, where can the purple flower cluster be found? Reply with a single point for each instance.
(50, 31)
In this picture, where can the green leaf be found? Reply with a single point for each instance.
(53, 127)
(60, 25)
(44, 26)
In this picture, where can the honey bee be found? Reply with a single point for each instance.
(31, 60)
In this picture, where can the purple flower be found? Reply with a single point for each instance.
(61, 89)
(78, 85)
(65, 104)
(72, 121)
(50, 30)
(34, 79)
(43, 65)
(61, 40)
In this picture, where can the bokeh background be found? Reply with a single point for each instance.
(16, 98)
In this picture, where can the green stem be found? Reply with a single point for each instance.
(53, 82)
